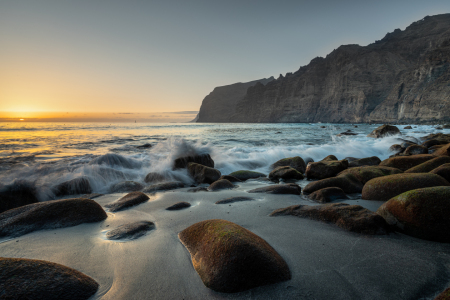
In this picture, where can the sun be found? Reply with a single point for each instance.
(21, 119)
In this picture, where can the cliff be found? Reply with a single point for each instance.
(405, 77)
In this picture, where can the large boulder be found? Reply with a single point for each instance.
(161, 187)
(431, 143)
(221, 184)
(202, 159)
(296, 163)
(203, 174)
(443, 171)
(325, 168)
(129, 200)
(347, 182)
(50, 215)
(22, 278)
(230, 258)
(386, 187)
(444, 150)
(17, 194)
(285, 173)
(289, 188)
(126, 186)
(79, 185)
(367, 161)
(327, 195)
(429, 165)
(383, 131)
(130, 231)
(364, 174)
(406, 162)
(422, 213)
(114, 160)
(244, 175)
(349, 217)
(416, 149)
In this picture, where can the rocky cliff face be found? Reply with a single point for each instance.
(405, 77)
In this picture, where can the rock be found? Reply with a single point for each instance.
(433, 142)
(91, 196)
(396, 148)
(197, 189)
(79, 185)
(245, 175)
(383, 131)
(366, 173)
(112, 159)
(350, 159)
(289, 188)
(330, 158)
(406, 162)
(325, 168)
(127, 201)
(179, 205)
(50, 215)
(165, 186)
(203, 174)
(154, 177)
(441, 137)
(322, 126)
(126, 186)
(328, 194)
(108, 174)
(130, 231)
(22, 278)
(145, 146)
(230, 178)
(202, 159)
(429, 165)
(422, 213)
(347, 182)
(386, 187)
(406, 144)
(222, 184)
(234, 199)
(416, 149)
(230, 258)
(285, 173)
(446, 126)
(445, 295)
(17, 194)
(407, 127)
(349, 217)
(296, 163)
(444, 150)
(346, 133)
(367, 161)
(443, 171)
(438, 128)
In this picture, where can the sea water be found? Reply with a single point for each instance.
(46, 154)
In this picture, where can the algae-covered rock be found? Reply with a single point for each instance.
(422, 213)
(383, 131)
(285, 173)
(22, 278)
(445, 295)
(347, 182)
(364, 174)
(384, 188)
(289, 188)
(130, 231)
(406, 162)
(443, 171)
(202, 159)
(221, 184)
(367, 161)
(330, 157)
(444, 150)
(203, 174)
(349, 217)
(429, 165)
(246, 174)
(325, 168)
(230, 258)
(327, 195)
(296, 163)
(50, 215)
(127, 201)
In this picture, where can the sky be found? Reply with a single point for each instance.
(144, 56)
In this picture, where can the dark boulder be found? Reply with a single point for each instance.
(429, 165)
(126, 186)
(422, 213)
(222, 184)
(91, 196)
(383, 131)
(234, 199)
(349, 217)
(296, 163)
(197, 189)
(406, 162)
(386, 187)
(364, 174)
(330, 158)
(230, 178)
(327, 195)
(289, 188)
(230, 258)
(443, 171)
(416, 149)
(202, 159)
(22, 278)
(179, 205)
(347, 182)
(129, 200)
(145, 146)
(161, 187)
(285, 173)
(50, 215)
(444, 150)
(17, 194)
(245, 175)
(407, 127)
(203, 174)
(431, 143)
(154, 177)
(79, 185)
(112, 159)
(130, 231)
(396, 148)
(445, 295)
(325, 168)
(367, 161)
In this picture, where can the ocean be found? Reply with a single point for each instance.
(46, 154)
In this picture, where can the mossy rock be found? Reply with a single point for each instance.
(422, 213)
(230, 258)
(443, 151)
(50, 215)
(347, 182)
(296, 163)
(203, 174)
(445, 295)
(22, 278)
(221, 184)
(364, 174)
(387, 187)
(246, 174)
(367, 161)
(330, 157)
(127, 201)
(289, 188)
(349, 217)
(383, 131)
(406, 162)
(325, 169)
(429, 165)
(443, 171)
(285, 173)
(327, 195)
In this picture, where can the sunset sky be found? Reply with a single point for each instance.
(165, 56)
